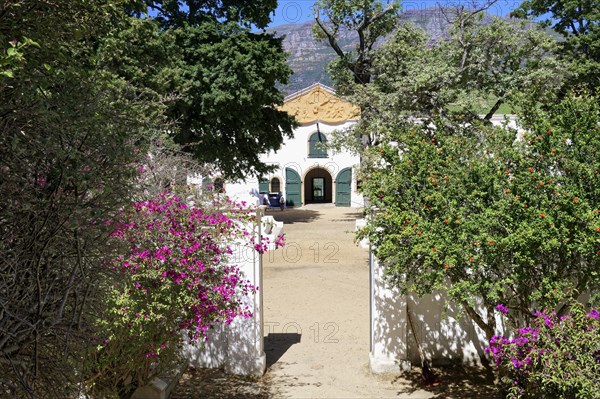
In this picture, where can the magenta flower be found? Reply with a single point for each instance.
(502, 308)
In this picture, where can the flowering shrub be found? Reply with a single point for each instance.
(173, 277)
(556, 357)
(489, 215)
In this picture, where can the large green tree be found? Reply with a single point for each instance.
(578, 21)
(484, 65)
(370, 21)
(222, 77)
(86, 87)
(71, 135)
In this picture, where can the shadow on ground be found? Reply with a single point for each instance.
(293, 215)
(276, 344)
(215, 384)
(455, 382)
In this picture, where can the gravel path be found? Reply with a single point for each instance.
(316, 299)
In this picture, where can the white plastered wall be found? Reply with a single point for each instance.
(445, 335)
(238, 348)
(294, 154)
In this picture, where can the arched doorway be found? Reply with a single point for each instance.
(317, 187)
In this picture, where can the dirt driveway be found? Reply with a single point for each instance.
(316, 301)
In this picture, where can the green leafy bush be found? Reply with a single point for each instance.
(491, 213)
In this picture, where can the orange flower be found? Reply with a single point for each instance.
(542, 215)
(491, 242)
(531, 170)
(471, 258)
(446, 266)
(434, 249)
(576, 200)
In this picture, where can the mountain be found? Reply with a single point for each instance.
(309, 58)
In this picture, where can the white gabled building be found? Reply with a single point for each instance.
(307, 172)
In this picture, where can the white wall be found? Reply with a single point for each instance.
(294, 154)
(239, 347)
(444, 336)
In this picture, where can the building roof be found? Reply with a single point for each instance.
(319, 103)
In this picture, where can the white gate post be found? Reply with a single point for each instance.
(246, 353)
(389, 349)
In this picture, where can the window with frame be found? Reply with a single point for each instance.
(275, 185)
(316, 145)
(219, 185)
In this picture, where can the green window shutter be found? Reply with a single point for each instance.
(316, 146)
(263, 186)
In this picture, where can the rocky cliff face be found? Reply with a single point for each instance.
(309, 58)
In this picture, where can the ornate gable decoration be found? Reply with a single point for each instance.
(318, 103)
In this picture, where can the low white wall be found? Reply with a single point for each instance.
(445, 335)
(238, 348)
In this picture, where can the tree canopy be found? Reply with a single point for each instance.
(578, 21)
(460, 205)
(88, 89)
(485, 65)
(371, 20)
(177, 13)
(220, 77)
(226, 112)
(484, 215)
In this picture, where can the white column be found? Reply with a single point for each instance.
(245, 354)
(239, 346)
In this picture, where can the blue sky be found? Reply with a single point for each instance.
(298, 11)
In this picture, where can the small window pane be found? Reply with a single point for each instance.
(219, 185)
(275, 185)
